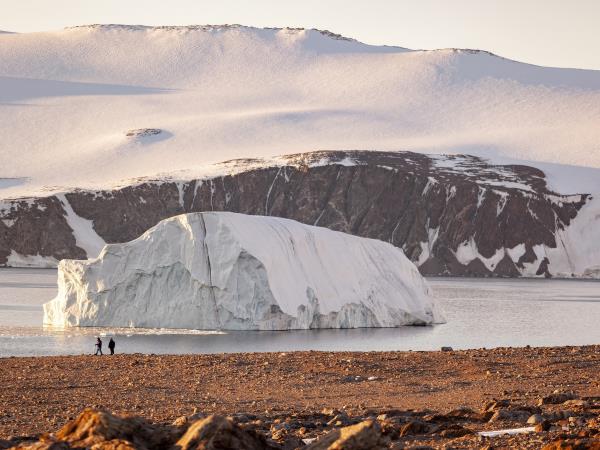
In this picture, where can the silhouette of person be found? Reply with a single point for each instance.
(98, 346)
(111, 346)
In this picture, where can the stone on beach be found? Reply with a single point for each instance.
(219, 433)
(364, 435)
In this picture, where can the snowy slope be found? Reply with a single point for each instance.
(69, 99)
(234, 271)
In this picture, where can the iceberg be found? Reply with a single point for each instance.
(228, 271)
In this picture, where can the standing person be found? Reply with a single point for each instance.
(111, 346)
(98, 346)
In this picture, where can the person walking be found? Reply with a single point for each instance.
(98, 346)
(111, 346)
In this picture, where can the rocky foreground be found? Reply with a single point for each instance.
(309, 400)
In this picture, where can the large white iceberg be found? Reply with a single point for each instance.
(220, 270)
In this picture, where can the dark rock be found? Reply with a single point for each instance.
(574, 444)
(454, 431)
(544, 425)
(43, 445)
(555, 399)
(534, 419)
(115, 444)
(460, 414)
(495, 405)
(514, 415)
(282, 434)
(95, 426)
(339, 420)
(37, 227)
(576, 403)
(143, 132)
(219, 433)
(414, 427)
(398, 197)
(363, 435)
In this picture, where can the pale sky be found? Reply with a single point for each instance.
(561, 33)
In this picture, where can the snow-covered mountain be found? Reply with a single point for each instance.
(452, 215)
(69, 98)
(220, 270)
(138, 116)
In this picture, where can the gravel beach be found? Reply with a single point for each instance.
(315, 392)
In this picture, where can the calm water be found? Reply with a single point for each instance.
(479, 312)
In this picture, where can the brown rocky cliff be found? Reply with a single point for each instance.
(427, 206)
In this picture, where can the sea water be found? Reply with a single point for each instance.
(479, 313)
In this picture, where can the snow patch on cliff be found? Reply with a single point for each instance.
(468, 251)
(516, 252)
(86, 237)
(427, 246)
(576, 253)
(232, 271)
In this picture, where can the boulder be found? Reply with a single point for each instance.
(495, 405)
(219, 433)
(454, 431)
(364, 435)
(515, 415)
(555, 398)
(534, 419)
(414, 427)
(115, 444)
(96, 426)
(45, 444)
(544, 425)
(574, 444)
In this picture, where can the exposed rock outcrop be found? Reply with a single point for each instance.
(453, 215)
(216, 433)
(94, 426)
(363, 435)
(97, 429)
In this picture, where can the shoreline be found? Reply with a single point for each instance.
(258, 353)
(427, 277)
(42, 393)
(137, 354)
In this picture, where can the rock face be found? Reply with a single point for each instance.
(452, 215)
(233, 271)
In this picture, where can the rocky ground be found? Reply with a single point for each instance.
(304, 399)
